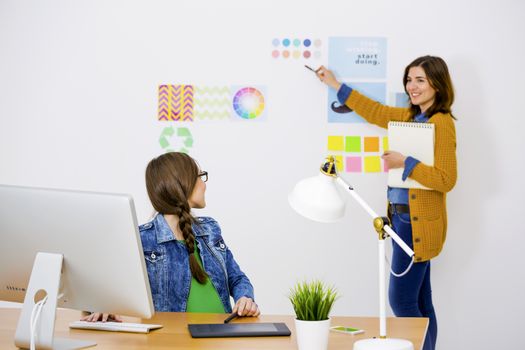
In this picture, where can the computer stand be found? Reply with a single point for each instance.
(44, 280)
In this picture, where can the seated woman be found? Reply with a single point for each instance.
(190, 268)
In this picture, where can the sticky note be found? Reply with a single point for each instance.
(353, 164)
(335, 143)
(353, 144)
(371, 143)
(385, 167)
(372, 164)
(338, 162)
(385, 143)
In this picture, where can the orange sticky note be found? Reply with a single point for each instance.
(371, 144)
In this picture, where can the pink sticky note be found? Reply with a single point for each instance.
(353, 164)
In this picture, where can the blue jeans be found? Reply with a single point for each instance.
(411, 295)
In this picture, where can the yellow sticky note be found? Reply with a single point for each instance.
(339, 163)
(385, 143)
(372, 164)
(336, 143)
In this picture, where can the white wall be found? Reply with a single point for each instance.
(78, 90)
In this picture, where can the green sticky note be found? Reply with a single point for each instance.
(353, 144)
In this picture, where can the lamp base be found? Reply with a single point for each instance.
(383, 344)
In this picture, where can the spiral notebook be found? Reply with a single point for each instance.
(410, 139)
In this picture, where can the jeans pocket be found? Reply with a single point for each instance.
(404, 218)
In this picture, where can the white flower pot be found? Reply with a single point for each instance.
(312, 335)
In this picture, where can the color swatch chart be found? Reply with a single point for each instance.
(187, 103)
(295, 48)
(358, 154)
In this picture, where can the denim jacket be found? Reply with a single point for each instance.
(167, 262)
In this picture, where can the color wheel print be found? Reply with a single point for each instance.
(248, 103)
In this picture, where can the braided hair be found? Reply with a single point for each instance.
(170, 180)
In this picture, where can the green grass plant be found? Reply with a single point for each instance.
(312, 301)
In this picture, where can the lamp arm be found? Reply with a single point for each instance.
(374, 215)
(399, 241)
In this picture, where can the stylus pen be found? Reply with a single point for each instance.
(231, 317)
(310, 68)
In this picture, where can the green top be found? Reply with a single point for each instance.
(203, 297)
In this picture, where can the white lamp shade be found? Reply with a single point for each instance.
(317, 198)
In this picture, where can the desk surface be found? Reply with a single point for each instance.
(175, 332)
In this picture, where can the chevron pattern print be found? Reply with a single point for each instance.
(212, 102)
(176, 103)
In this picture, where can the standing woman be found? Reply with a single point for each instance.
(418, 216)
(190, 268)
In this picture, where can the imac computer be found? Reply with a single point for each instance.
(71, 249)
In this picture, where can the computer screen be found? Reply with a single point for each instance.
(103, 267)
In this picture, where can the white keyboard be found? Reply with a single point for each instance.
(115, 326)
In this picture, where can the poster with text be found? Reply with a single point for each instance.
(357, 58)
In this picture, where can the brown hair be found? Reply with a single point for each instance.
(170, 179)
(439, 78)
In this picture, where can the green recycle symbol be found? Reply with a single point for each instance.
(182, 133)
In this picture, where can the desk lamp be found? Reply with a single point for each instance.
(318, 199)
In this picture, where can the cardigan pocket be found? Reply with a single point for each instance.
(434, 233)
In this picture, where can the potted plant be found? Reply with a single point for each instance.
(312, 302)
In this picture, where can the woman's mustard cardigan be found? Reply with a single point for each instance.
(428, 209)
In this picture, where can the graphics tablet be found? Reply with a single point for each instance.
(221, 330)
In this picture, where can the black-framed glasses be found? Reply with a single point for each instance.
(203, 175)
